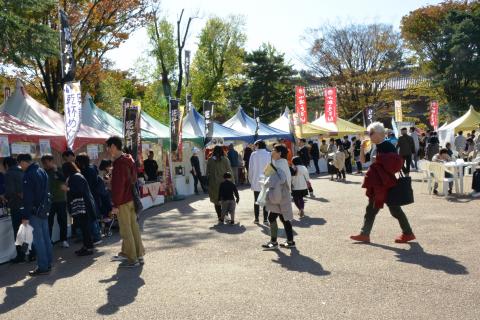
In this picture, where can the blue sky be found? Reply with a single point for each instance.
(281, 22)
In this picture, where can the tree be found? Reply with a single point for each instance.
(357, 59)
(446, 38)
(268, 84)
(98, 26)
(219, 57)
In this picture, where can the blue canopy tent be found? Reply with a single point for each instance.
(245, 124)
(194, 125)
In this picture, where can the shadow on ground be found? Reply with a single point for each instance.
(123, 291)
(295, 261)
(229, 228)
(307, 222)
(417, 255)
(65, 266)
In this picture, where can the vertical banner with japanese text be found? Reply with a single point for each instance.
(301, 104)
(72, 98)
(434, 114)
(398, 111)
(131, 127)
(208, 114)
(330, 95)
(369, 116)
(66, 49)
(175, 130)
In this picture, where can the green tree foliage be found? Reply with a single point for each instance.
(218, 59)
(358, 60)
(268, 83)
(446, 38)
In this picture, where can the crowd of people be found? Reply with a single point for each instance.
(36, 194)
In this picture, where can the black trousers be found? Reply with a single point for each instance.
(407, 161)
(272, 218)
(196, 180)
(256, 207)
(315, 162)
(341, 174)
(84, 223)
(348, 165)
(359, 166)
(60, 210)
(396, 212)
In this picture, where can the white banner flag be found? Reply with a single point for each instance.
(72, 97)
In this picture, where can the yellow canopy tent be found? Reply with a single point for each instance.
(341, 128)
(469, 121)
(302, 131)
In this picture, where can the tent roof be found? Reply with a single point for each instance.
(342, 127)
(194, 125)
(303, 131)
(96, 118)
(22, 106)
(469, 121)
(243, 123)
(18, 131)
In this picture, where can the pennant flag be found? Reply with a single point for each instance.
(301, 104)
(72, 98)
(131, 126)
(398, 111)
(208, 114)
(66, 47)
(434, 114)
(330, 95)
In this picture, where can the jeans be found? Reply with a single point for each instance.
(407, 161)
(415, 160)
(196, 180)
(396, 212)
(315, 163)
(256, 207)
(42, 242)
(359, 166)
(60, 209)
(132, 245)
(83, 222)
(95, 230)
(272, 218)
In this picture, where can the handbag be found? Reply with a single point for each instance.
(78, 207)
(137, 203)
(402, 193)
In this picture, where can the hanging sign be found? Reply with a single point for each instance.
(434, 114)
(72, 97)
(131, 126)
(301, 104)
(330, 95)
(45, 147)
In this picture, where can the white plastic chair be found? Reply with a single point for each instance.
(423, 168)
(437, 170)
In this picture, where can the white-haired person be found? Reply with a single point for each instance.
(196, 171)
(379, 178)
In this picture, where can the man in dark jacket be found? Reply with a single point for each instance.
(59, 204)
(13, 195)
(379, 178)
(36, 205)
(315, 154)
(151, 167)
(303, 152)
(406, 147)
(196, 171)
(124, 175)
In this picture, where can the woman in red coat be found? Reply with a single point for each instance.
(379, 178)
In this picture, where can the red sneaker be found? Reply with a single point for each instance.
(404, 238)
(361, 238)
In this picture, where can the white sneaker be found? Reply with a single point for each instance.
(65, 244)
(119, 258)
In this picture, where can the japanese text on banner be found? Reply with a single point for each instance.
(398, 111)
(330, 95)
(301, 104)
(131, 127)
(72, 97)
(434, 114)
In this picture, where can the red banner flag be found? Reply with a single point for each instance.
(330, 95)
(301, 104)
(434, 114)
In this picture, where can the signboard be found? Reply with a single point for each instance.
(72, 98)
(92, 151)
(434, 114)
(301, 104)
(398, 111)
(330, 95)
(23, 148)
(45, 147)
(131, 126)
(4, 147)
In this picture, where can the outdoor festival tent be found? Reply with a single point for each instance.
(194, 125)
(341, 128)
(22, 106)
(245, 124)
(18, 131)
(469, 121)
(302, 131)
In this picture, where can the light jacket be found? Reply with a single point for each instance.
(299, 180)
(275, 184)
(258, 161)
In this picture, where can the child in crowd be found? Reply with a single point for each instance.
(300, 184)
(226, 196)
